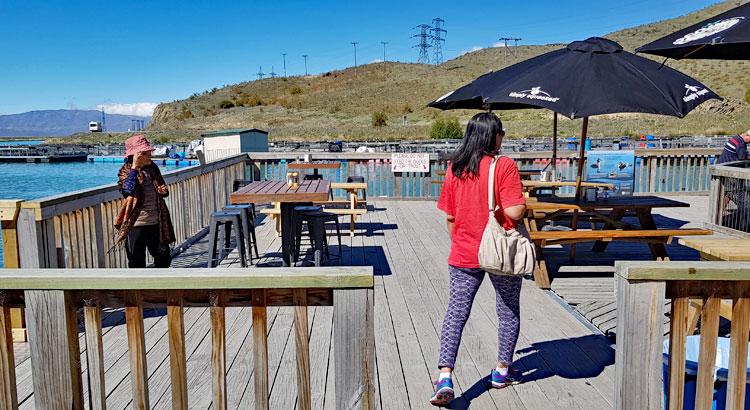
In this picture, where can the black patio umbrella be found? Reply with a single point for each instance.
(724, 37)
(590, 77)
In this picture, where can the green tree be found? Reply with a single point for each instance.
(379, 119)
(443, 128)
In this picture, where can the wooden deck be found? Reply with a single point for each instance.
(566, 364)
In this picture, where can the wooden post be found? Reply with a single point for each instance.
(738, 348)
(218, 352)
(304, 393)
(581, 157)
(136, 349)
(9, 210)
(260, 349)
(354, 355)
(177, 365)
(640, 334)
(8, 394)
(55, 354)
(95, 356)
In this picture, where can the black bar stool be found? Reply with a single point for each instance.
(313, 177)
(239, 183)
(316, 228)
(248, 227)
(228, 220)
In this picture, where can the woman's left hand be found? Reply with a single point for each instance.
(161, 189)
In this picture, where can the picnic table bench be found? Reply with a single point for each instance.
(608, 212)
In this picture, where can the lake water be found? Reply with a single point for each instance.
(20, 142)
(32, 181)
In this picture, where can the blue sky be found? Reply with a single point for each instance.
(79, 54)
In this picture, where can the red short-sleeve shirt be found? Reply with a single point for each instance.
(466, 200)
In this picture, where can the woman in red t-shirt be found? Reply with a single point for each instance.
(464, 200)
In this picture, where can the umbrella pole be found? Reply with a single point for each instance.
(581, 156)
(554, 150)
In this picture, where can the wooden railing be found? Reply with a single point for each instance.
(641, 289)
(656, 171)
(54, 297)
(75, 230)
(730, 198)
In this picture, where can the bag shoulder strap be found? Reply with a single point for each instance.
(491, 185)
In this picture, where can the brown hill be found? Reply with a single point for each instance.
(340, 104)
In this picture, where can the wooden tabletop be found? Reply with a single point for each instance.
(313, 165)
(279, 191)
(622, 202)
(726, 249)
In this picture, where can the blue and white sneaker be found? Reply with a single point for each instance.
(499, 381)
(444, 393)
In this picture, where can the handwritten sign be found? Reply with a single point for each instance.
(407, 162)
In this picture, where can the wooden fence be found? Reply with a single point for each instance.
(52, 298)
(641, 288)
(75, 230)
(656, 171)
(730, 198)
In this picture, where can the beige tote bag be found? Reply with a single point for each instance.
(503, 252)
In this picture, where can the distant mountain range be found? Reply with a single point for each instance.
(56, 123)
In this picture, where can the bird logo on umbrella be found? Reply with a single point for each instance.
(709, 30)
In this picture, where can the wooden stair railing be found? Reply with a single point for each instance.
(53, 297)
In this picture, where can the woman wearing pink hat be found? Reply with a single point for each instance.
(143, 222)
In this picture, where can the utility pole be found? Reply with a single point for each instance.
(515, 47)
(272, 74)
(305, 57)
(260, 73)
(283, 55)
(384, 43)
(354, 43)
(505, 52)
(437, 40)
(424, 37)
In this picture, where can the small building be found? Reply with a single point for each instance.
(95, 126)
(225, 143)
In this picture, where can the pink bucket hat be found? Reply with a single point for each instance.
(137, 143)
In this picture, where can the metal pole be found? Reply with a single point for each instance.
(354, 43)
(581, 156)
(554, 146)
(305, 57)
(283, 55)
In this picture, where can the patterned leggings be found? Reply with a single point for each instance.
(464, 286)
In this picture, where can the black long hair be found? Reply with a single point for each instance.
(478, 142)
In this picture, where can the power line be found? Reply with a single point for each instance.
(437, 40)
(424, 44)
(283, 55)
(305, 57)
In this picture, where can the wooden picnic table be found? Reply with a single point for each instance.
(724, 249)
(314, 165)
(531, 186)
(610, 213)
(288, 198)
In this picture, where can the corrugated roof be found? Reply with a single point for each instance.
(234, 131)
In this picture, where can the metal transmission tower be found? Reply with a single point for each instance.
(283, 55)
(438, 40)
(384, 44)
(305, 57)
(272, 74)
(354, 43)
(260, 73)
(424, 43)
